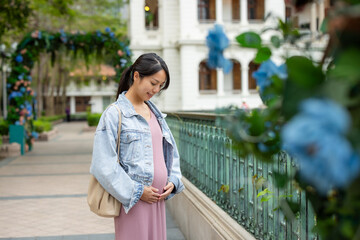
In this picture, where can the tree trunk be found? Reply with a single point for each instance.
(50, 103)
(58, 103)
(45, 88)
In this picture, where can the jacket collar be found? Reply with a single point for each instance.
(128, 109)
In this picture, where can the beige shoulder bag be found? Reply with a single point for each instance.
(99, 200)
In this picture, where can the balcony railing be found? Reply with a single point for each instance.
(209, 162)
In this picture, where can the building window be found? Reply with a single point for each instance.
(235, 6)
(81, 103)
(206, 10)
(207, 78)
(151, 14)
(252, 68)
(288, 14)
(232, 80)
(256, 9)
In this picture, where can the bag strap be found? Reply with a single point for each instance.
(118, 132)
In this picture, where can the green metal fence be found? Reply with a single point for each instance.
(209, 163)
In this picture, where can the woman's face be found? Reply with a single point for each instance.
(148, 86)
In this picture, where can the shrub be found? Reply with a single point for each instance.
(4, 127)
(93, 119)
(42, 126)
(51, 118)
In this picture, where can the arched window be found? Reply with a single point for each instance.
(256, 9)
(206, 10)
(207, 78)
(232, 80)
(151, 14)
(252, 68)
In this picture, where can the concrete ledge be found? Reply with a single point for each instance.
(46, 136)
(10, 150)
(200, 218)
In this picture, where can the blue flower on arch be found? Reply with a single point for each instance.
(19, 58)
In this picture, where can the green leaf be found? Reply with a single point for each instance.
(303, 73)
(346, 66)
(266, 198)
(263, 54)
(265, 191)
(249, 40)
(280, 180)
(275, 40)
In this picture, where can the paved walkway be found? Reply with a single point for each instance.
(43, 193)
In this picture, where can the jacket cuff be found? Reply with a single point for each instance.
(138, 191)
(178, 186)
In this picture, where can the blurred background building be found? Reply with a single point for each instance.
(176, 30)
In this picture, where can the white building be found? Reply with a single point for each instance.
(176, 31)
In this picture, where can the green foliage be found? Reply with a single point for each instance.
(52, 118)
(263, 54)
(249, 39)
(93, 119)
(42, 126)
(13, 15)
(4, 127)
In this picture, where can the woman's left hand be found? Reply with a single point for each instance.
(168, 189)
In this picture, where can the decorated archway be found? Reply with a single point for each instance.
(20, 94)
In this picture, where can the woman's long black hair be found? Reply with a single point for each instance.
(146, 65)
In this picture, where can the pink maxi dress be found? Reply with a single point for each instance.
(147, 221)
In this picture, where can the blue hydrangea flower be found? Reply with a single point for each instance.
(122, 62)
(17, 123)
(22, 89)
(127, 50)
(21, 76)
(98, 33)
(107, 30)
(8, 85)
(266, 70)
(40, 34)
(35, 135)
(29, 78)
(112, 34)
(315, 137)
(19, 58)
(217, 41)
(14, 95)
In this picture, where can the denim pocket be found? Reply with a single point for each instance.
(130, 146)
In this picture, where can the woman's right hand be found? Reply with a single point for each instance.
(150, 195)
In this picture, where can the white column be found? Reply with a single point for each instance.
(72, 105)
(220, 82)
(313, 17)
(321, 12)
(219, 12)
(243, 12)
(245, 79)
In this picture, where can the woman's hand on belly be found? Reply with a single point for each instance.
(168, 189)
(150, 195)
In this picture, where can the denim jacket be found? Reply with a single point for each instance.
(126, 181)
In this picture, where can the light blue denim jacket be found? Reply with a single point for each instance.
(126, 181)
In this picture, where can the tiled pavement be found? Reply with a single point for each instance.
(43, 193)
